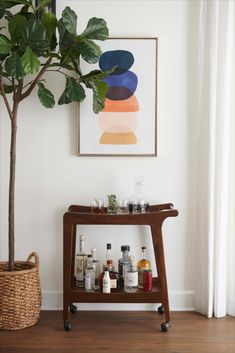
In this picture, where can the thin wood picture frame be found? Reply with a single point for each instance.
(127, 126)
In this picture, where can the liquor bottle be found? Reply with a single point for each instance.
(143, 264)
(106, 281)
(131, 278)
(89, 275)
(123, 264)
(114, 278)
(108, 255)
(96, 266)
(81, 260)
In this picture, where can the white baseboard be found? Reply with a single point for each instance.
(179, 301)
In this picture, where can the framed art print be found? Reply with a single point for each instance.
(127, 126)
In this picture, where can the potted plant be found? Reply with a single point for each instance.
(29, 47)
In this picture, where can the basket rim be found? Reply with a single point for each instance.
(32, 265)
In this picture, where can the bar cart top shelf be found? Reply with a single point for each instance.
(78, 214)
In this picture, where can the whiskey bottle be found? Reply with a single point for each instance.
(106, 281)
(131, 278)
(81, 260)
(89, 275)
(108, 255)
(143, 264)
(96, 266)
(123, 264)
(114, 278)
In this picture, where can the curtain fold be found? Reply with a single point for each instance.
(215, 144)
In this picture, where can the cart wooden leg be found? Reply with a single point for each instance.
(69, 241)
(160, 263)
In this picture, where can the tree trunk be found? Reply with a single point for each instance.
(11, 218)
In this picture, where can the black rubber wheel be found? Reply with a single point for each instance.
(165, 326)
(160, 310)
(67, 326)
(73, 309)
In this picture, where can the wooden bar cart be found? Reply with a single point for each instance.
(78, 215)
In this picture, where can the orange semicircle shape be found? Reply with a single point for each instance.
(127, 105)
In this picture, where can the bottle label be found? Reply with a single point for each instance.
(140, 275)
(80, 270)
(106, 286)
(131, 279)
(88, 281)
(113, 283)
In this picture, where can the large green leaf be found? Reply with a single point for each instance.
(73, 92)
(5, 45)
(34, 35)
(7, 4)
(69, 18)
(96, 29)
(14, 26)
(30, 62)
(45, 96)
(99, 89)
(95, 75)
(64, 98)
(66, 38)
(88, 49)
(49, 21)
(13, 66)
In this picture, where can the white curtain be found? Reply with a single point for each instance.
(215, 160)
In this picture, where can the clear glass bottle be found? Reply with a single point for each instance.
(96, 266)
(106, 282)
(81, 260)
(89, 275)
(138, 201)
(131, 278)
(123, 264)
(142, 264)
(108, 256)
(114, 278)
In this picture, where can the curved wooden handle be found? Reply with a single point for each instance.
(36, 258)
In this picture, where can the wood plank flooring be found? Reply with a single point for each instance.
(122, 332)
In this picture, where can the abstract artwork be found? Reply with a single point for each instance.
(127, 124)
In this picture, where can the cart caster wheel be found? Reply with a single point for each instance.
(73, 308)
(160, 310)
(165, 326)
(67, 326)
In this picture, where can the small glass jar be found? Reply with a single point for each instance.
(97, 206)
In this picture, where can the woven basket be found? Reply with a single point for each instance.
(20, 294)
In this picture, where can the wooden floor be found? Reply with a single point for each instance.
(124, 332)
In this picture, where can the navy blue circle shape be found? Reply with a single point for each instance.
(123, 59)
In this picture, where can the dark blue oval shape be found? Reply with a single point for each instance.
(128, 79)
(122, 58)
(117, 93)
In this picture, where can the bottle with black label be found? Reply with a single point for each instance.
(123, 264)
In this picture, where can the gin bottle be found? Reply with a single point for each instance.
(96, 266)
(89, 275)
(131, 278)
(123, 264)
(81, 260)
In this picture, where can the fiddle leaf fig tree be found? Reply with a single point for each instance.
(32, 42)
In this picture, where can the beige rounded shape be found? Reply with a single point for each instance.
(118, 122)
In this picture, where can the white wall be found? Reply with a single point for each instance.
(50, 176)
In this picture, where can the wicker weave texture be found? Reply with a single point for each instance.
(20, 294)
